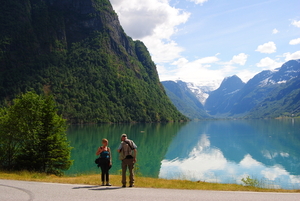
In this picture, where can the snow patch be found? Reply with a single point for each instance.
(234, 91)
(281, 82)
(202, 89)
(264, 82)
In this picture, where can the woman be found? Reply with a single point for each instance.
(105, 161)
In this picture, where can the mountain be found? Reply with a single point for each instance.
(185, 100)
(77, 50)
(283, 101)
(202, 90)
(239, 102)
(222, 99)
(261, 85)
(269, 94)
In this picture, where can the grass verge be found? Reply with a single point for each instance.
(143, 182)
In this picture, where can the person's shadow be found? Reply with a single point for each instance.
(98, 188)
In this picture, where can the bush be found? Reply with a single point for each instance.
(250, 182)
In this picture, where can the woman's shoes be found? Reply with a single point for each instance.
(107, 184)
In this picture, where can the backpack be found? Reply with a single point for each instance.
(126, 151)
(104, 154)
(103, 157)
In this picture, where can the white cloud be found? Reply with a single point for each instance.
(268, 64)
(275, 31)
(283, 154)
(206, 60)
(296, 23)
(162, 52)
(198, 1)
(268, 48)
(154, 22)
(291, 56)
(205, 69)
(198, 64)
(149, 18)
(249, 162)
(246, 75)
(193, 71)
(228, 68)
(239, 59)
(269, 155)
(273, 173)
(180, 62)
(295, 41)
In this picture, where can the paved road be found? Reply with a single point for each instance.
(28, 191)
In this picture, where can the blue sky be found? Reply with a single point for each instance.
(203, 41)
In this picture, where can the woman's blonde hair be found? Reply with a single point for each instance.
(104, 140)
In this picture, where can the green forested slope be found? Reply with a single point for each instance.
(77, 50)
(283, 101)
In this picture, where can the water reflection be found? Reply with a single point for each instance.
(227, 151)
(152, 140)
(212, 151)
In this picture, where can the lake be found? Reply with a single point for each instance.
(223, 151)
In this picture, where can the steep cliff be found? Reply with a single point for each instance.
(77, 50)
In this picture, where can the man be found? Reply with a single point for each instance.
(128, 152)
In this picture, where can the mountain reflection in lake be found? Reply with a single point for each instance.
(223, 151)
(227, 151)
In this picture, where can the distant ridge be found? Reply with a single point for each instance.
(269, 94)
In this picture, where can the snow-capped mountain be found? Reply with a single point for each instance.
(233, 98)
(184, 99)
(257, 89)
(203, 89)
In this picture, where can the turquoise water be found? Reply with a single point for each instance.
(223, 151)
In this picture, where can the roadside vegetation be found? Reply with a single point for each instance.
(141, 182)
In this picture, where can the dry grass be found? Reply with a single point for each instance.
(143, 182)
